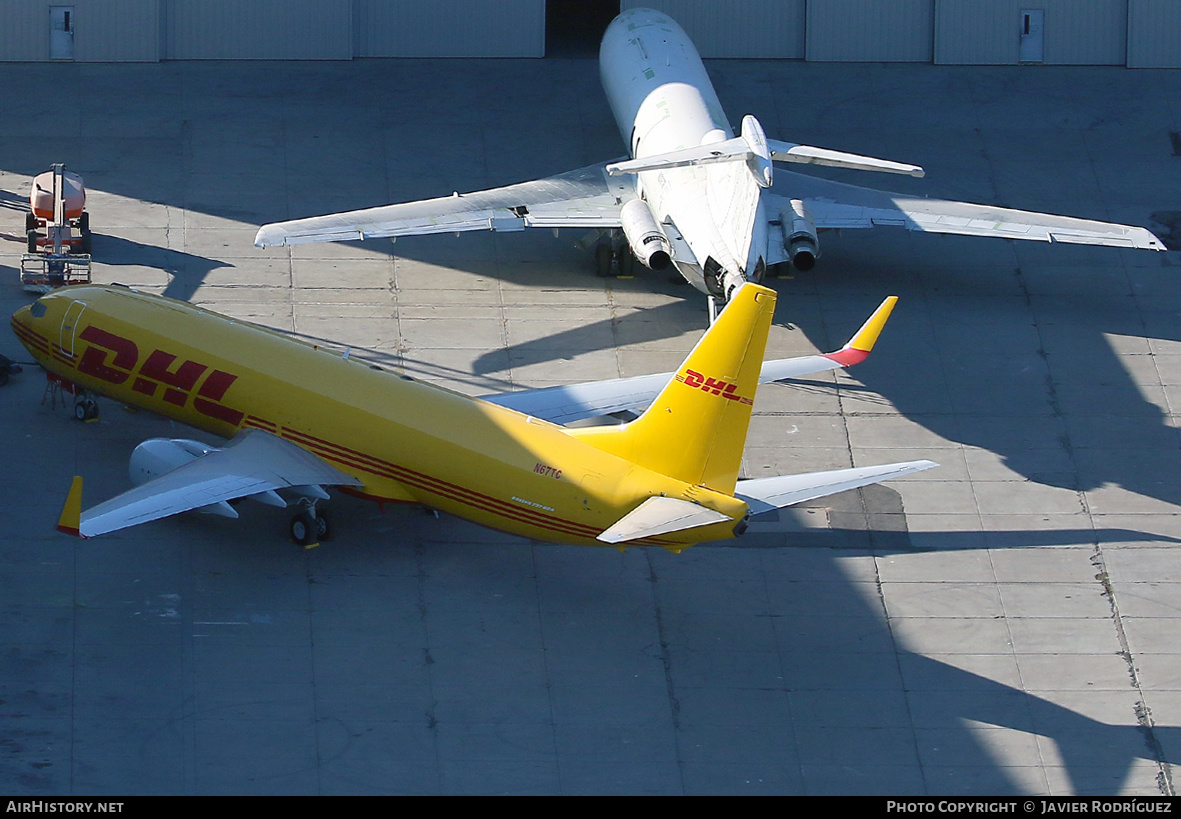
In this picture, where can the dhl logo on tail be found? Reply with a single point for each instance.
(714, 386)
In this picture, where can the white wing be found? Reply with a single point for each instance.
(575, 402)
(586, 197)
(837, 205)
(252, 463)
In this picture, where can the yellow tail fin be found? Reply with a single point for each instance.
(696, 428)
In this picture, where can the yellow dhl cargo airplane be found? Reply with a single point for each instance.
(299, 418)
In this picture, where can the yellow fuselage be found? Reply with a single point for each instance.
(405, 440)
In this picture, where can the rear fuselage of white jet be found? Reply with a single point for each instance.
(663, 101)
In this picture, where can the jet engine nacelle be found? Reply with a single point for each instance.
(799, 235)
(154, 457)
(644, 236)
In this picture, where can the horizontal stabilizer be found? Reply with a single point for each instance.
(659, 516)
(731, 150)
(808, 155)
(765, 494)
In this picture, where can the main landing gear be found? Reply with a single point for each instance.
(307, 527)
(614, 260)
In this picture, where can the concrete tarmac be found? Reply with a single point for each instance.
(1006, 624)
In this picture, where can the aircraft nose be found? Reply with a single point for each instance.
(30, 312)
(24, 326)
(21, 317)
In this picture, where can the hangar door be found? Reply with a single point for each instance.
(61, 32)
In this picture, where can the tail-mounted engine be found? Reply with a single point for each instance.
(799, 235)
(644, 236)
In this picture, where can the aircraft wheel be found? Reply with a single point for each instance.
(323, 527)
(627, 263)
(304, 529)
(85, 409)
(603, 260)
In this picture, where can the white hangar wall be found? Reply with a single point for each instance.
(760, 29)
(116, 30)
(860, 31)
(257, 29)
(1136, 33)
(1076, 32)
(150, 30)
(1154, 34)
(449, 28)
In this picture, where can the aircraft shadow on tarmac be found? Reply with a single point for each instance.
(846, 655)
(184, 269)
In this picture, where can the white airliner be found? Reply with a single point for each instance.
(694, 194)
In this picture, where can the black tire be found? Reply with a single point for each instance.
(31, 235)
(304, 529)
(84, 222)
(324, 527)
(81, 412)
(86, 243)
(603, 260)
(628, 263)
(30, 222)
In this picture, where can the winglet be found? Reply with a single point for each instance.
(71, 516)
(860, 345)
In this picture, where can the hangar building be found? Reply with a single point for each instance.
(1133, 33)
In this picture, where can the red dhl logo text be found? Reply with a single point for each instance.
(114, 359)
(715, 386)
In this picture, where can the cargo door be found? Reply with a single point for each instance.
(70, 326)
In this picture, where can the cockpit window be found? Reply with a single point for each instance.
(38, 309)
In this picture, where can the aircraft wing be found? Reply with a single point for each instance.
(575, 402)
(837, 205)
(586, 197)
(253, 462)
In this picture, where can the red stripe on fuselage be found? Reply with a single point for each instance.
(348, 457)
